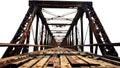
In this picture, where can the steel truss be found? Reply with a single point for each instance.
(71, 39)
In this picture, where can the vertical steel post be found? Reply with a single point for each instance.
(76, 37)
(41, 42)
(82, 42)
(36, 34)
(91, 39)
(76, 34)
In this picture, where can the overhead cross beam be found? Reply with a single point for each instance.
(58, 4)
(59, 17)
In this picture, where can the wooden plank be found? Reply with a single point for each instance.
(80, 61)
(64, 62)
(90, 61)
(21, 61)
(72, 60)
(98, 63)
(104, 64)
(49, 63)
(41, 63)
(56, 63)
(9, 60)
(30, 63)
(52, 60)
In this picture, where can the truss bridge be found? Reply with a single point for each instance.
(55, 34)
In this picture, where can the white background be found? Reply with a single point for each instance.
(12, 13)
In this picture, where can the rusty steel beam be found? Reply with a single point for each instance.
(100, 44)
(103, 44)
(26, 48)
(17, 37)
(62, 4)
(18, 33)
(21, 45)
(99, 32)
(17, 50)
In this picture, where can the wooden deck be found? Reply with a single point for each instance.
(58, 58)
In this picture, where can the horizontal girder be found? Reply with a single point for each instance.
(58, 4)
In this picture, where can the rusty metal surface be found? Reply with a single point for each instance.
(62, 4)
